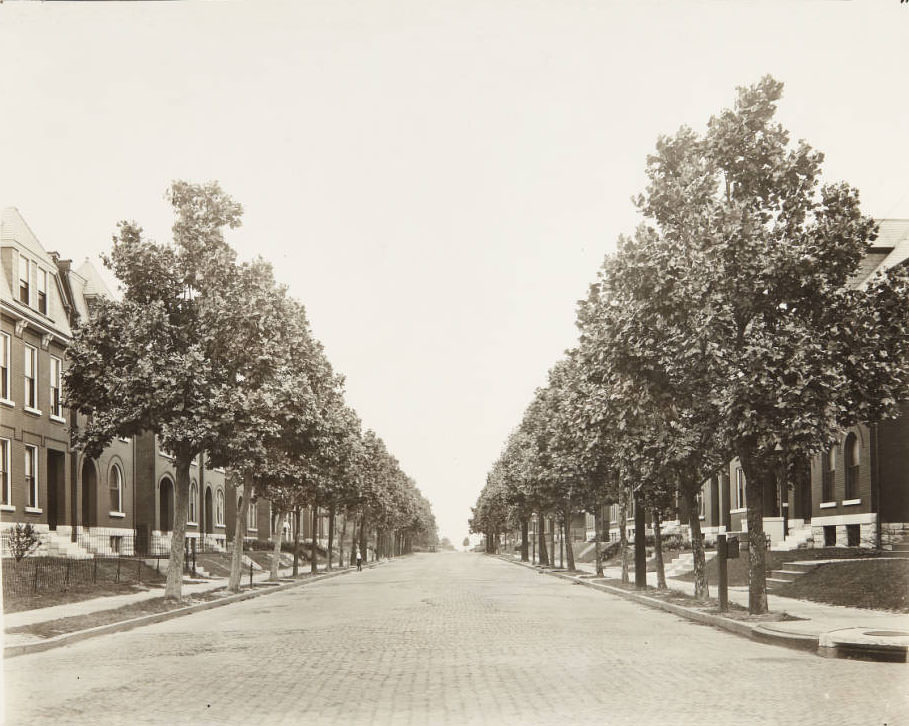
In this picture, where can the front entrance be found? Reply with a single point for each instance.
(166, 504)
(56, 487)
(207, 526)
(89, 494)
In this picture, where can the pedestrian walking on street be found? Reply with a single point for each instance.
(359, 560)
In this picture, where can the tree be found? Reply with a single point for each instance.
(180, 353)
(752, 260)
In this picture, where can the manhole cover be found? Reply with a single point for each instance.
(887, 633)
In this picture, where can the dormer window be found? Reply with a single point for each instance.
(23, 280)
(42, 292)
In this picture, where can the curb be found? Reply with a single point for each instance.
(12, 651)
(754, 632)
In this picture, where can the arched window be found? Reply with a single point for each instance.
(193, 496)
(116, 489)
(219, 509)
(852, 453)
(828, 473)
(252, 516)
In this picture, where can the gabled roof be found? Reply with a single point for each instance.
(891, 248)
(94, 286)
(16, 234)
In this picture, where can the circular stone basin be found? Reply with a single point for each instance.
(887, 633)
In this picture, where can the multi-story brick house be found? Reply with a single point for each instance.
(36, 475)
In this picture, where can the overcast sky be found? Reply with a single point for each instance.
(436, 181)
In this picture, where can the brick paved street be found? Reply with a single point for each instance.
(443, 639)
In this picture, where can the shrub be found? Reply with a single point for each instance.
(23, 540)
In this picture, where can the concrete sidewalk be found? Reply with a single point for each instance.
(112, 602)
(837, 630)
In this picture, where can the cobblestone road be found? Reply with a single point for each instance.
(443, 639)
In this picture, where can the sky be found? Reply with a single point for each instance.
(437, 181)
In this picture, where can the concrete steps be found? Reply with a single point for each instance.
(684, 563)
(54, 544)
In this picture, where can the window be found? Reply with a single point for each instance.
(4, 366)
(219, 509)
(116, 489)
(251, 516)
(193, 495)
(828, 473)
(56, 385)
(6, 494)
(23, 280)
(853, 457)
(853, 535)
(42, 292)
(31, 371)
(702, 507)
(31, 476)
(740, 488)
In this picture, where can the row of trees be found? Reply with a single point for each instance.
(728, 325)
(214, 357)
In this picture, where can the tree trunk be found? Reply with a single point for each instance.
(276, 553)
(552, 539)
(623, 533)
(568, 548)
(757, 474)
(236, 560)
(524, 529)
(173, 590)
(701, 591)
(364, 532)
(341, 537)
(544, 556)
(597, 537)
(331, 532)
(353, 541)
(658, 549)
(562, 543)
(314, 556)
(296, 528)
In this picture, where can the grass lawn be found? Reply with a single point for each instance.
(737, 570)
(134, 576)
(735, 612)
(880, 585)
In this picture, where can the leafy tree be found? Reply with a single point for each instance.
(753, 264)
(184, 349)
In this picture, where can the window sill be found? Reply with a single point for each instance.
(118, 515)
(190, 523)
(33, 411)
(827, 505)
(220, 526)
(7, 402)
(7, 508)
(58, 419)
(254, 529)
(34, 510)
(850, 502)
(740, 510)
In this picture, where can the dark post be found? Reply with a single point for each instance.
(194, 556)
(723, 579)
(118, 568)
(640, 543)
(250, 574)
(94, 569)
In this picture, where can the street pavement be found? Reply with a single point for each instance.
(448, 638)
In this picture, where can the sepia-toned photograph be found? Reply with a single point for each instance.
(442, 362)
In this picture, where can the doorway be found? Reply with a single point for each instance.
(166, 504)
(56, 487)
(89, 494)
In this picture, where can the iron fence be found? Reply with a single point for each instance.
(33, 575)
